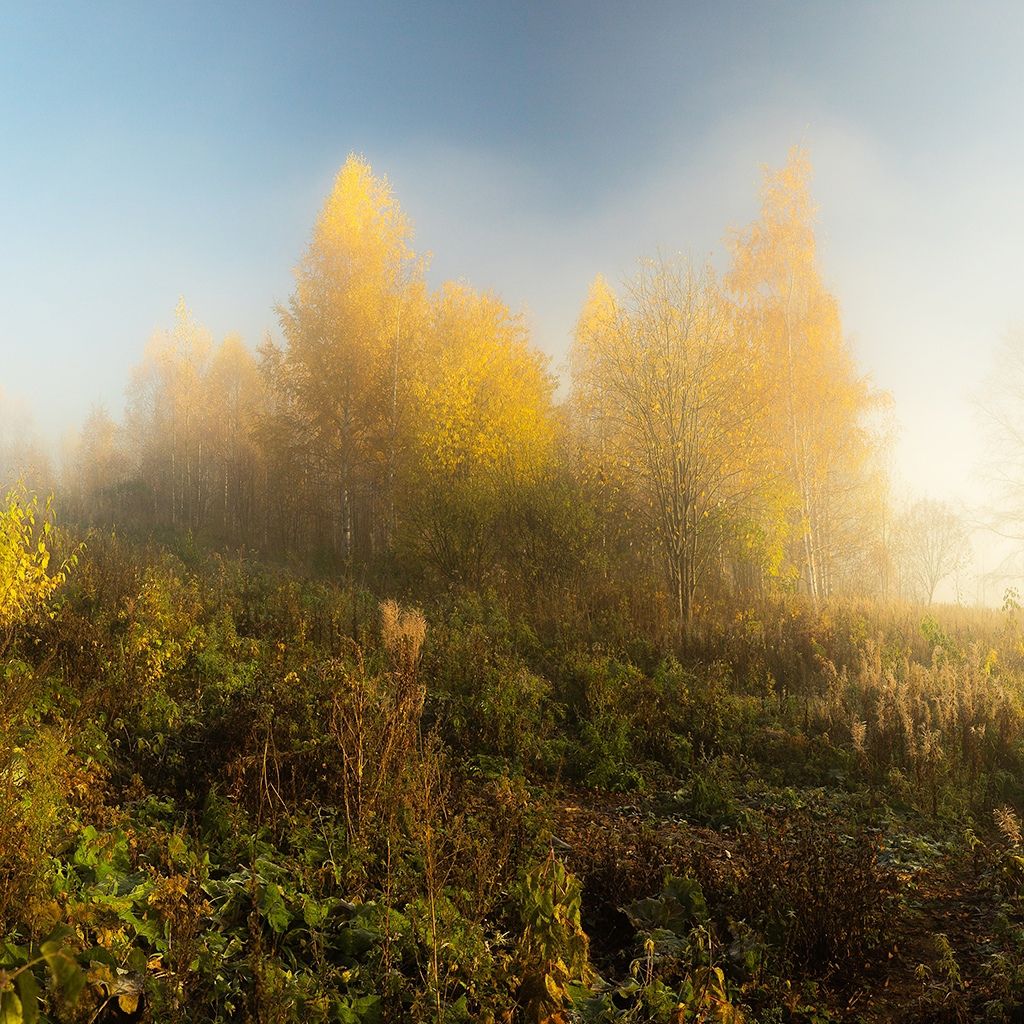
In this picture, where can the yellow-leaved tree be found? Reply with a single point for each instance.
(166, 412)
(96, 465)
(600, 464)
(350, 327)
(27, 581)
(820, 428)
(234, 397)
(667, 396)
(483, 428)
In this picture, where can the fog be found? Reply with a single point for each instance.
(531, 151)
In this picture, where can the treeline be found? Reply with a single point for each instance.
(716, 436)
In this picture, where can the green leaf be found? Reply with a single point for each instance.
(28, 993)
(680, 907)
(355, 942)
(359, 1010)
(314, 913)
(272, 907)
(11, 954)
(100, 955)
(10, 1008)
(68, 977)
(687, 892)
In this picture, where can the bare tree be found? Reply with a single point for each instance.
(932, 544)
(670, 378)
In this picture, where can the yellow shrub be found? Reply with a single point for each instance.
(26, 582)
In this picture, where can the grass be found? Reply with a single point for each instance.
(233, 792)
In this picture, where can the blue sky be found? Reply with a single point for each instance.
(154, 150)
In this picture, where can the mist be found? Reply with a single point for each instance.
(146, 180)
(511, 513)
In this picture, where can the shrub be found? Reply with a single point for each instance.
(820, 897)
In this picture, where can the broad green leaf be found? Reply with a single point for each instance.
(10, 1008)
(28, 993)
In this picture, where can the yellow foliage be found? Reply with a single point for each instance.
(822, 444)
(483, 394)
(361, 237)
(668, 402)
(26, 582)
(358, 275)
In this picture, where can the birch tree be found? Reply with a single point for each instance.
(482, 428)
(345, 329)
(667, 389)
(820, 401)
(932, 545)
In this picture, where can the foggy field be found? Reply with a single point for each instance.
(612, 616)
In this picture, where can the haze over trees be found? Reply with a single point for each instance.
(672, 404)
(717, 433)
(657, 729)
(1001, 410)
(932, 545)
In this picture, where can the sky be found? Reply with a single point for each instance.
(157, 150)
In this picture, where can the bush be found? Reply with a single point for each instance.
(820, 897)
